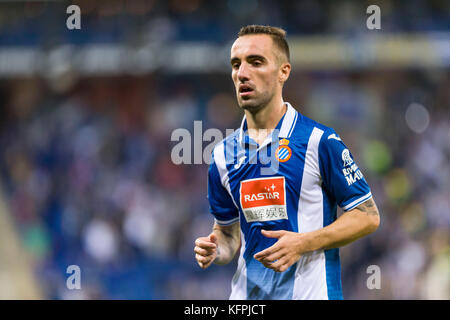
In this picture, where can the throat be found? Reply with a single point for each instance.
(259, 135)
(262, 124)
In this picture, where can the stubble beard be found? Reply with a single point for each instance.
(253, 105)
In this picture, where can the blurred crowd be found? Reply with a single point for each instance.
(137, 21)
(91, 182)
(89, 179)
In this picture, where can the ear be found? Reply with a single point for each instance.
(284, 72)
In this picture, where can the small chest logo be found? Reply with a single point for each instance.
(240, 162)
(263, 199)
(283, 152)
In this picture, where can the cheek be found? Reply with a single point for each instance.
(234, 78)
(270, 80)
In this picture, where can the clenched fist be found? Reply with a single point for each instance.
(205, 250)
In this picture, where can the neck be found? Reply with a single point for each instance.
(266, 117)
(262, 122)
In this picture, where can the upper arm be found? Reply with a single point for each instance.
(341, 177)
(369, 207)
(370, 210)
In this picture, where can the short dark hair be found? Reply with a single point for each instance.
(278, 36)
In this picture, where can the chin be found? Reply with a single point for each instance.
(248, 103)
(255, 102)
(251, 105)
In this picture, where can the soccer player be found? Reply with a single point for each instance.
(283, 220)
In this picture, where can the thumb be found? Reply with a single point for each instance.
(272, 234)
(213, 238)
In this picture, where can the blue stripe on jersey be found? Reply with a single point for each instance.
(268, 284)
(332, 260)
(333, 274)
(295, 169)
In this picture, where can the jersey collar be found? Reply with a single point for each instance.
(285, 127)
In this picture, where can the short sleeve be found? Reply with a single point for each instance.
(341, 176)
(221, 205)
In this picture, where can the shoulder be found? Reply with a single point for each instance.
(310, 127)
(319, 138)
(229, 140)
(315, 124)
(224, 147)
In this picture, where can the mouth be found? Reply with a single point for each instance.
(245, 90)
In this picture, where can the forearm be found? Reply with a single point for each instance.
(351, 226)
(228, 242)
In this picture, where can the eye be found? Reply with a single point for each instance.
(235, 65)
(256, 63)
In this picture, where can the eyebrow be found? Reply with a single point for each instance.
(250, 57)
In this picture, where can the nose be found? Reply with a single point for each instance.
(243, 72)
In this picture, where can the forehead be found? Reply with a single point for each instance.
(257, 44)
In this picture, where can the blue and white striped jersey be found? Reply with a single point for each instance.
(294, 181)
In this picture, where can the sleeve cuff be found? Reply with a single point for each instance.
(226, 222)
(357, 202)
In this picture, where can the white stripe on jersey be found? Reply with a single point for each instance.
(288, 121)
(310, 275)
(219, 158)
(357, 202)
(239, 282)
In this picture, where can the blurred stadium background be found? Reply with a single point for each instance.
(86, 118)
